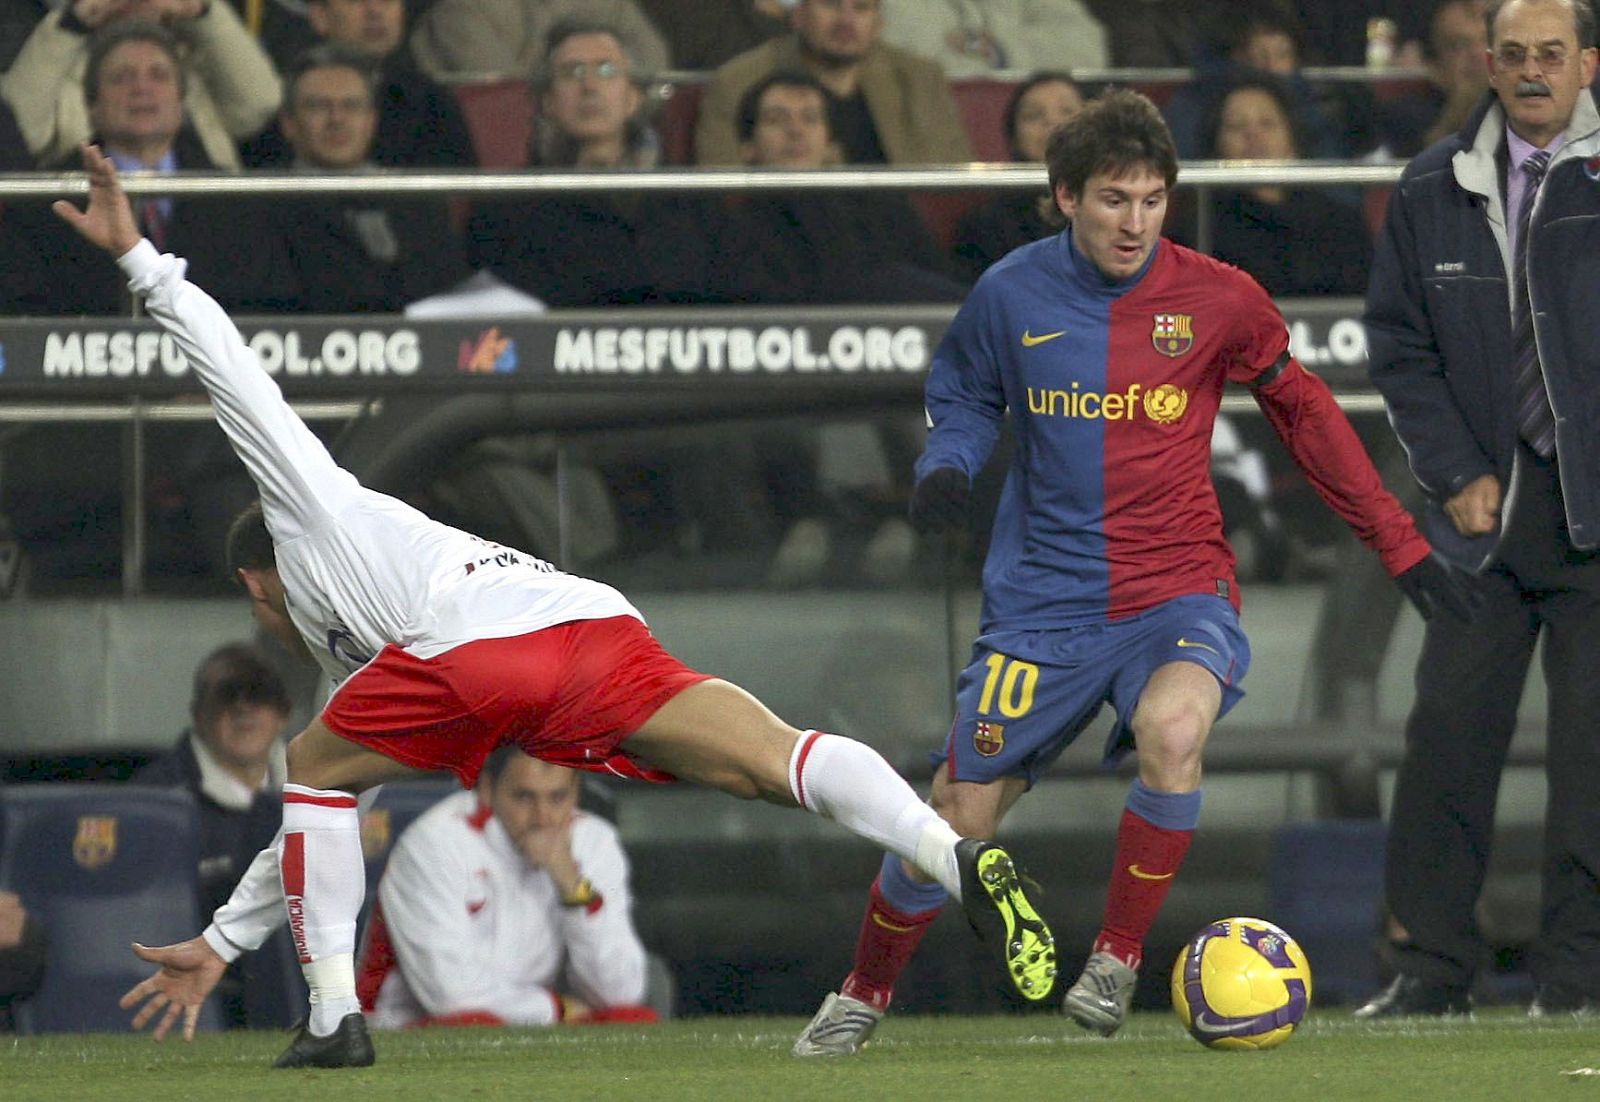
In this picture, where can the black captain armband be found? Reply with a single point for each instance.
(1278, 367)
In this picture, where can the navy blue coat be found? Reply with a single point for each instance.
(1438, 319)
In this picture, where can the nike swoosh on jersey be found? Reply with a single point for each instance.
(1029, 340)
(1201, 646)
(1142, 875)
(890, 926)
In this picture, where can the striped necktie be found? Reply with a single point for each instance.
(1535, 419)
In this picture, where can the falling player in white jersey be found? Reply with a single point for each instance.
(443, 646)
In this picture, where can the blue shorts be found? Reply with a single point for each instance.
(1027, 694)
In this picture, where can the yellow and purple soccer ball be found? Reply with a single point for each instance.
(1241, 983)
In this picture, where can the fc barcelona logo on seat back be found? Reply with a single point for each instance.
(1173, 334)
(988, 738)
(96, 842)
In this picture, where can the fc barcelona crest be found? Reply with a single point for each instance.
(988, 738)
(96, 842)
(1173, 334)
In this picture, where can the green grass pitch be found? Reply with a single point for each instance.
(1017, 1058)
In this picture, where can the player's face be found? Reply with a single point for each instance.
(533, 795)
(242, 735)
(1536, 67)
(592, 95)
(139, 101)
(840, 32)
(1117, 220)
(331, 119)
(1253, 128)
(373, 27)
(1044, 107)
(791, 129)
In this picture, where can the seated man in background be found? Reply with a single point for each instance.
(134, 89)
(591, 248)
(1457, 81)
(504, 906)
(233, 92)
(419, 122)
(22, 955)
(820, 246)
(346, 254)
(886, 105)
(232, 759)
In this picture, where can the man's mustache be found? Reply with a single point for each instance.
(1532, 88)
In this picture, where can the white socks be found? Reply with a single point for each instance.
(850, 783)
(324, 882)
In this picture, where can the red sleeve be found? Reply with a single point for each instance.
(1304, 414)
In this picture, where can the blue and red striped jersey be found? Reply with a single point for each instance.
(1112, 390)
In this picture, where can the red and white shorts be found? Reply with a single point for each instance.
(568, 694)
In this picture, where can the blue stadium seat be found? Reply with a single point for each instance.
(1327, 891)
(100, 866)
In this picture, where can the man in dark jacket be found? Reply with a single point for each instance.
(1479, 322)
(232, 759)
(353, 253)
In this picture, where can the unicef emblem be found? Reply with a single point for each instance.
(1165, 404)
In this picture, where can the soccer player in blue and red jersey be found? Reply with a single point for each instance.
(1108, 579)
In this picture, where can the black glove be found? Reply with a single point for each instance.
(939, 501)
(1434, 584)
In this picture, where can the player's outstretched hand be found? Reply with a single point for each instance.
(108, 222)
(188, 972)
(939, 501)
(1434, 584)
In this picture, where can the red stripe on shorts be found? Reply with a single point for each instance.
(800, 768)
(319, 801)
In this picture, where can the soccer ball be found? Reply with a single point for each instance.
(1241, 983)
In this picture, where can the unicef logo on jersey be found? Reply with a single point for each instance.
(342, 647)
(1165, 404)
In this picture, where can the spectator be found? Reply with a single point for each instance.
(702, 34)
(586, 249)
(1479, 320)
(885, 104)
(1155, 34)
(481, 39)
(133, 83)
(231, 93)
(280, 26)
(419, 121)
(232, 759)
(22, 956)
(986, 233)
(1294, 241)
(18, 19)
(505, 906)
(1253, 42)
(975, 39)
(820, 246)
(354, 253)
(1458, 79)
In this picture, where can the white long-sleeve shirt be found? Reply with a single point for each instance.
(469, 925)
(361, 569)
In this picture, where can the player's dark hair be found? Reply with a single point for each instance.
(1116, 134)
(749, 112)
(1014, 104)
(1582, 20)
(236, 673)
(108, 38)
(329, 55)
(249, 542)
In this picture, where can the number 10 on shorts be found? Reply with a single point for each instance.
(1012, 681)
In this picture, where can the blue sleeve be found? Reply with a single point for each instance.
(965, 392)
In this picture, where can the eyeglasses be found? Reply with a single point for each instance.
(575, 71)
(325, 105)
(1512, 59)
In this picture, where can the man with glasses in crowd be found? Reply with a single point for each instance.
(1480, 340)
